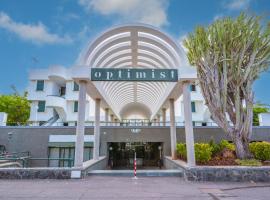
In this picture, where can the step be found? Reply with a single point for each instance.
(145, 173)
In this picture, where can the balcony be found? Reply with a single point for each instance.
(58, 74)
(59, 104)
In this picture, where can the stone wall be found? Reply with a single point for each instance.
(35, 173)
(220, 173)
(234, 174)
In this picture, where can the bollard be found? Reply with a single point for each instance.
(135, 166)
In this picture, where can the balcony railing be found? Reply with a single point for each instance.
(117, 124)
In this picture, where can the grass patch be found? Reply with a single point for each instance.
(249, 162)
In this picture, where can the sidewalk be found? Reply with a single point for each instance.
(123, 188)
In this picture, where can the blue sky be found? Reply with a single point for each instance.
(37, 33)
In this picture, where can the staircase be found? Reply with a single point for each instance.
(52, 120)
(140, 173)
(9, 164)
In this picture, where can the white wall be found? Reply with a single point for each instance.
(3, 119)
(264, 119)
(40, 116)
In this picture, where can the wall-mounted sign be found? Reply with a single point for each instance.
(118, 74)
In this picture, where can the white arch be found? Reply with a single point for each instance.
(134, 46)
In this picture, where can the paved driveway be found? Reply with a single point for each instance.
(122, 188)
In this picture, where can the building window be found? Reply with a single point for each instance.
(62, 91)
(66, 153)
(75, 86)
(75, 108)
(41, 106)
(40, 85)
(193, 88)
(193, 107)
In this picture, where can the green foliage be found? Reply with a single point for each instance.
(257, 109)
(17, 107)
(227, 39)
(203, 151)
(229, 55)
(225, 144)
(248, 162)
(181, 150)
(215, 147)
(260, 150)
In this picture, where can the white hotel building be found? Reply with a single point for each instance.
(131, 77)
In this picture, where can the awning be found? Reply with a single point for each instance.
(69, 140)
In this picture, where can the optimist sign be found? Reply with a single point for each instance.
(117, 74)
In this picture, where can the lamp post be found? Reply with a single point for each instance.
(160, 156)
(110, 157)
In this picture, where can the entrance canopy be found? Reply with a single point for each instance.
(134, 47)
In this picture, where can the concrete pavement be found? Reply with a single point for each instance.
(123, 188)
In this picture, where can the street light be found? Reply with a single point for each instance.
(160, 158)
(110, 157)
(159, 148)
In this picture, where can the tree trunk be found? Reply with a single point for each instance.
(242, 148)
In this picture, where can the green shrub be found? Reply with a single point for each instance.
(181, 150)
(225, 144)
(215, 147)
(203, 151)
(248, 162)
(260, 150)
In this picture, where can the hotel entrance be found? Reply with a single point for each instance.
(121, 155)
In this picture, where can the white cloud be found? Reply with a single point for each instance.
(36, 33)
(237, 4)
(145, 11)
(218, 16)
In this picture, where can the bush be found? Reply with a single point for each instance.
(260, 150)
(203, 151)
(181, 150)
(225, 144)
(215, 147)
(248, 162)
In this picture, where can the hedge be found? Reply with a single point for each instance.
(260, 150)
(203, 151)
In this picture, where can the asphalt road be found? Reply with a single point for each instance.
(123, 188)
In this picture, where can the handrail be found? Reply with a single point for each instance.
(25, 160)
(120, 124)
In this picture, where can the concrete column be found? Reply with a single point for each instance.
(158, 119)
(155, 122)
(106, 116)
(188, 125)
(111, 118)
(164, 116)
(79, 145)
(172, 129)
(97, 130)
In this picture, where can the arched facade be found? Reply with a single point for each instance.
(134, 46)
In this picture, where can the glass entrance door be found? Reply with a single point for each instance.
(148, 155)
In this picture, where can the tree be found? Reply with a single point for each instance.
(229, 55)
(257, 109)
(17, 107)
